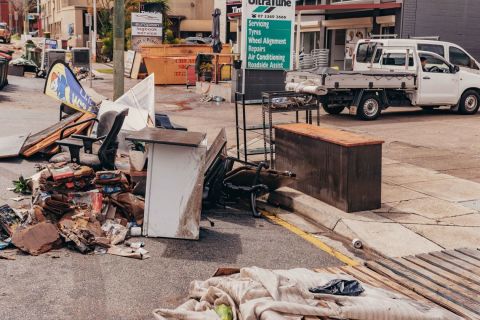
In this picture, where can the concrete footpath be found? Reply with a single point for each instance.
(422, 211)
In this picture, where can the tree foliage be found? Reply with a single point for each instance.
(105, 20)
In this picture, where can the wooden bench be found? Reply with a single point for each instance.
(340, 168)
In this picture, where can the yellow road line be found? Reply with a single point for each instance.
(310, 238)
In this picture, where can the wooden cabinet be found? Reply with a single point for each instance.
(340, 168)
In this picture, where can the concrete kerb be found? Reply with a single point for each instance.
(378, 233)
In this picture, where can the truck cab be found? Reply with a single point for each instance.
(439, 82)
(451, 52)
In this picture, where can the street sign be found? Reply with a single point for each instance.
(147, 24)
(267, 34)
(147, 28)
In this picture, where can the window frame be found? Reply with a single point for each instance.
(471, 62)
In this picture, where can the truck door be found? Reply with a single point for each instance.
(438, 83)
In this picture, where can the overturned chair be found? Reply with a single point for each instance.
(109, 126)
(224, 182)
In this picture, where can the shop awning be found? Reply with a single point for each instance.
(196, 25)
(365, 22)
(351, 6)
(310, 26)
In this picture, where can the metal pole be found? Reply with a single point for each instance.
(90, 34)
(297, 40)
(94, 41)
(118, 48)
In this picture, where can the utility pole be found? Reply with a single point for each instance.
(25, 16)
(118, 48)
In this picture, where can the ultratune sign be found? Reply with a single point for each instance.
(267, 34)
(146, 29)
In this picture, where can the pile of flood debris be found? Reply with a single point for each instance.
(74, 206)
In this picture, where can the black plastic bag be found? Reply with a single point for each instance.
(340, 287)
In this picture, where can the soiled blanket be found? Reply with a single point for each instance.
(257, 293)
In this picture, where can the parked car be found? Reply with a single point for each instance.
(5, 33)
(456, 55)
(198, 40)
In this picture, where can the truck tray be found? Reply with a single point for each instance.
(355, 80)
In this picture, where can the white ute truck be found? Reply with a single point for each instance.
(366, 93)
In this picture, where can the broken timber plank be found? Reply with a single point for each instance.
(48, 141)
(471, 253)
(463, 257)
(460, 263)
(363, 277)
(389, 283)
(447, 274)
(451, 286)
(427, 292)
(449, 267)
(433, 284)
(39, 136)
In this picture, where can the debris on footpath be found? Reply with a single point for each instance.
(74, 206)
(36, 239)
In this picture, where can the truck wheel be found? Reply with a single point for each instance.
(469, 102)
(333, 110)
(369, 108)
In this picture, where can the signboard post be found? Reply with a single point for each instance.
(147, 28)
(267, 34)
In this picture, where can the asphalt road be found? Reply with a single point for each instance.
(75, 286)
(107, 287)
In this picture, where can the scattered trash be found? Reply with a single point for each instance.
(128, 252)
(255, 293)
(132, 206)
(224, 312)
(340, 287)
(357, 243)
(72, 204)
(8, 255)
(5, 242)
(17, 199)
(9, 219)
(135, 245)
(114, 231)
(110, 182)
(36, 239)
(135, 231)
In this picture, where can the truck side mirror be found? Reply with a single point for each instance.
(456, 69)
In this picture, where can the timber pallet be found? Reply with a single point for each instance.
(448, 279)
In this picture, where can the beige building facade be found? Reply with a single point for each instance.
(191, 17)
(65, 20)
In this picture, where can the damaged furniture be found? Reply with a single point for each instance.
(108, 128)
(338, 167)
(223, 182)
(173, 195)
(163, 121)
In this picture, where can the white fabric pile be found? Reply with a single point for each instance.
(264, 294)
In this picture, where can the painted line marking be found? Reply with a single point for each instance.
(310, 238)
